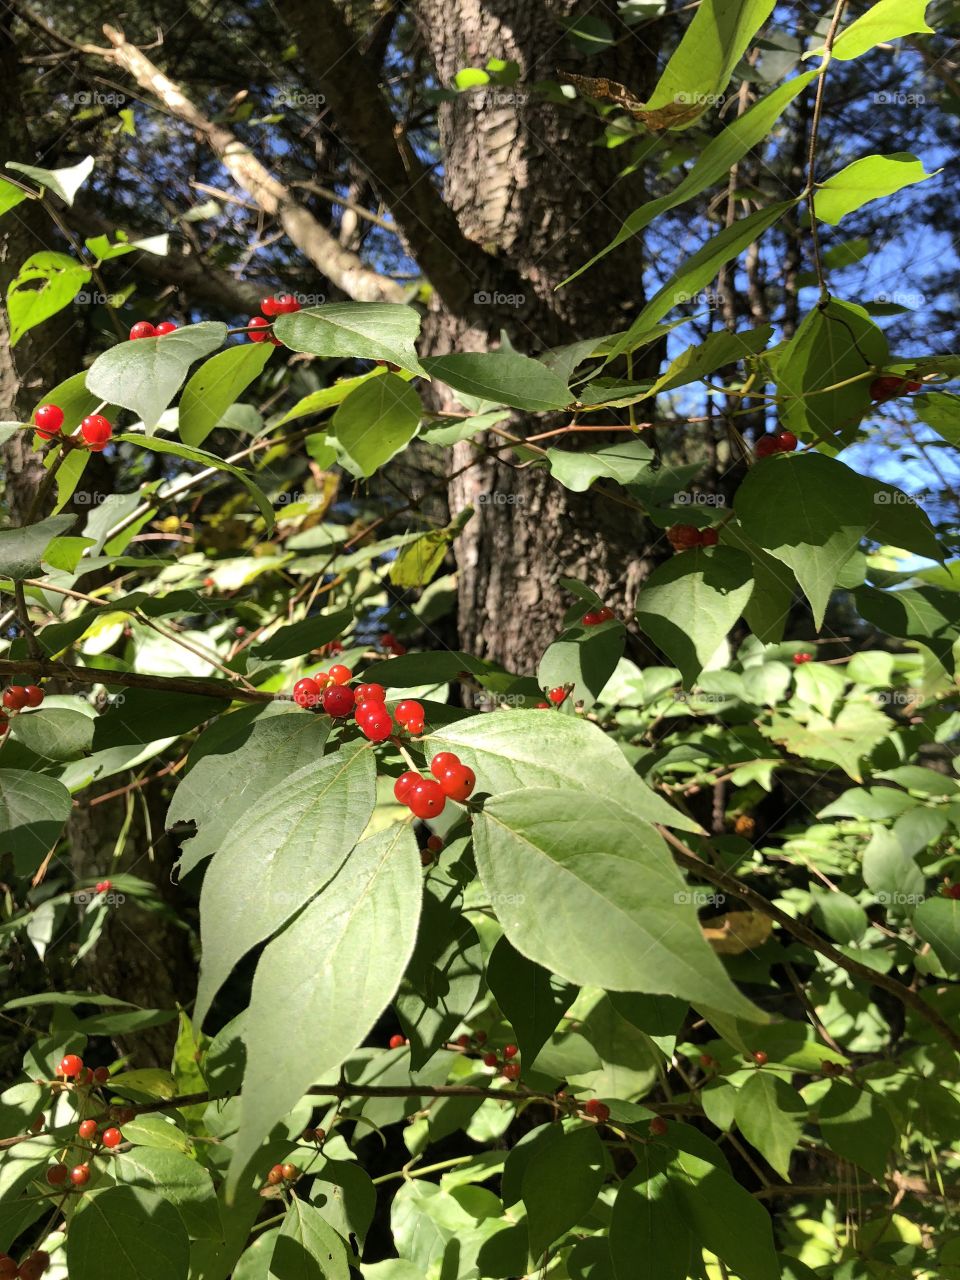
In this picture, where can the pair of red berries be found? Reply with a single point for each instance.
(32, 1267)
(103, 886)
(594, 617)
(144, 329)
(800, 658)
(282, 1173)
(597, 1110)
(95, 429)
(71, 1067)
(889, 386)
(683, 537)
(779, 442)
(19, 696)
(110, 1138)
(258, 327)
(426, 797)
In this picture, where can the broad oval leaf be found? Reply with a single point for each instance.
(376, 421)
(216, 385)
(365, 330)
(128, 1234)
(33, 809)
(502, 377)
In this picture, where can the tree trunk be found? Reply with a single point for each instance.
(526, 178)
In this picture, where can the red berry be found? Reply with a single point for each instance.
(306, 692)
(557, 696)
(8, 1267)
(426, 798)
(87, 1129)
(887, 387)
(275, 1175)
(372, 693)
(111, 1138)
(142, 329)
(96, 430)
(435, 845)
(490, 1060)
(766, 446)
(290, 1172)
(102, 886)
(337, 700)
(426, 858)
(408, 710)
(800, 658)
(405, 784)
(913, 386)
(442, 760)
(595, 616)
(286, 303)
(257, 329)
(340, 674)
(512, 1071)
(599, 1110)
(786, 441)
(85, 1077)
(707, 1062)
(70, 1065)
(33, 695)
(102, 1075)
(658, 1126)
(56, 1176)
(49, 420)
(269, 307)
(709, 538)
(397, 1042)
(463, 1041)
(415, 727)
(165, 327)
(510, 1051)
(123, 1115)
(80, 1175)
(952, 891)
(760, 1058)
(377, 724)
(480, 1037)
(32, 1267)
(15, 698)
(684, 536)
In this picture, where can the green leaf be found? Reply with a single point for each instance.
(301, 832)
(55, 733)
(147, 715)
(834, 342)
(539, 749)
(216, 385)
(809, 512)
(650, 1237)
(33, 810)
(700, 68)
(726, 1218)
(697, 271)
(560, 1185)
(690, 603)
(502, 377)
(937, 921)
(127, 1234)
(308, 1248)
(22, 550)
(586, 661)
(841, 916)
(305, 1019)
(868, 179)
(929, 615)
(720, 348)
(770, 1114)
(714, 162)
(201, 456)
(418, 563)
(621, 462)
(886, 20)
(301, 637)
(62, 182)
(45, 284)
(856, 1125)
(346, 1197)
(177, 1179)
(144, 375)
(328, 397)
(376, 421)
(10, 196)
(590, 892)
(531, 999)
(365, 330)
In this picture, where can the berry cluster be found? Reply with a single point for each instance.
(683, 537)
(259, 327)
(144, 329)
(779, 442)
(330, 691)
(889, 386)
(31, 1268)
(594, 617)
(103, 886)
(509, 1069)
(800, 658)
(95, 430)
(287, 1173)
(15, 699)
(425, 797)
